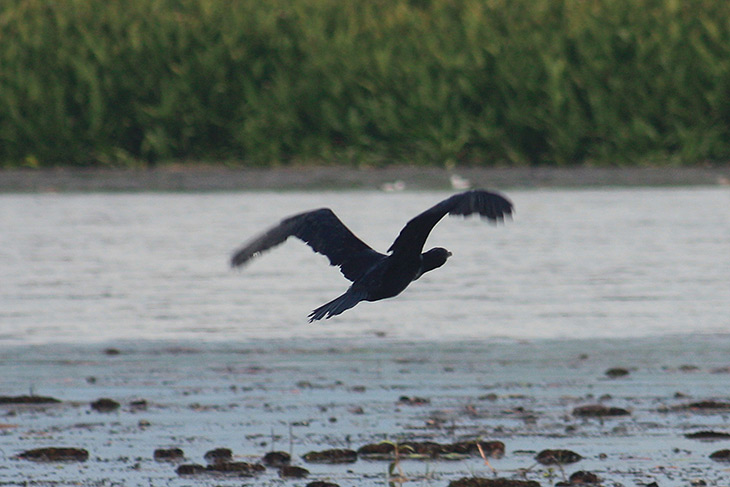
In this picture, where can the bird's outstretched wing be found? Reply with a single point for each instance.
(492, 206)
(324, 233)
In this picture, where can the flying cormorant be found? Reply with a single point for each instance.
(374, 275)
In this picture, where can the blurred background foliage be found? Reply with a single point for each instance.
(472, 82)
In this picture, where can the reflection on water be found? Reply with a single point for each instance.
(578, 263)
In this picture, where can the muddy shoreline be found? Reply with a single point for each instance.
(644, 426)
(212, 178)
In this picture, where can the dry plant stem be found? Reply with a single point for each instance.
(484, 457)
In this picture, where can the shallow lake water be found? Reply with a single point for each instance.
(130, 297)
(572, 263)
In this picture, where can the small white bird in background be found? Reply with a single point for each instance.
(397, 185)
(457, 182)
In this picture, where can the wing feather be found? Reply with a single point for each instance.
(324, 233)
(489, 205)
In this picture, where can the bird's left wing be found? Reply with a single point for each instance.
(324, 233)
(487, 204)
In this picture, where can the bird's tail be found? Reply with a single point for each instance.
(337, 305)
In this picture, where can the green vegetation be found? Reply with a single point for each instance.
(484, 82)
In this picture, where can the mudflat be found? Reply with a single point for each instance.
(181, 177)
(371, 411)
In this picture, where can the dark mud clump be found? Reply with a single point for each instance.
(105, 405)
(377, 451)
(331, 456)
(191, 469)
(708, 435)
(721, 456)
(482, 482)
(580, 478)
(218, 455)
(557, 457)
(321, 483)
(292, 472)
(413, 401)
(599, 411)
(704, 406)
(243, 469)
(408, 449)
(53, 454)
(277, 459)
(220, 463)
(138, 405)
(169, 454)
(428, 449)
(494, 449)
(688, 368)
(233, 469)
(616, 372)
(28, 400)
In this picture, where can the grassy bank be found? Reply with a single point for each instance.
(91, 82)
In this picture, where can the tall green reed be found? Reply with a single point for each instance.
(485, 82)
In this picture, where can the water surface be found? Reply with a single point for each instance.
(572, 263)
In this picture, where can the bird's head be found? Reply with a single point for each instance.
(434, 258)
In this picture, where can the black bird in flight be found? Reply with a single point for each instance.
(374, 275)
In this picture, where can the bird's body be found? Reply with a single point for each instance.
(374, 275)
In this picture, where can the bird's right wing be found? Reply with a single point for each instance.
(324, 233)
(489, 205)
